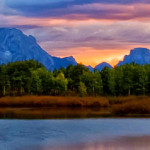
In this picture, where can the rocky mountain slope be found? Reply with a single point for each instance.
(138, 56)
(16, 46)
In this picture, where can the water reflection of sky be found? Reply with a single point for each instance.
(27, 134)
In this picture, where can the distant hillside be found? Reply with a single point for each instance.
(90, 68)
(16, 46)
(102, 65)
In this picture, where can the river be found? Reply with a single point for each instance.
(75, 134)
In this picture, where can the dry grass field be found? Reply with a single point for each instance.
(53, 106)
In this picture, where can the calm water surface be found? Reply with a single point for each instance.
(75, 134)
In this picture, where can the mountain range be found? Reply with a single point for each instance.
(138, 56)
(102, 65)
(16, 46)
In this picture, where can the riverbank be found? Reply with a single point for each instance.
(74, 107)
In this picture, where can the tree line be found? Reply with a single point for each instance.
(31, 78)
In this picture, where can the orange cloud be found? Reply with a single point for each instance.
(90, 56)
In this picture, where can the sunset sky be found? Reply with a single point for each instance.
(92, 31)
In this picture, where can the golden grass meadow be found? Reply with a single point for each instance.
(74, 107)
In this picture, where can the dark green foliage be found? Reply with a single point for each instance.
(22, 78)
(31, 78)
(106, 74)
